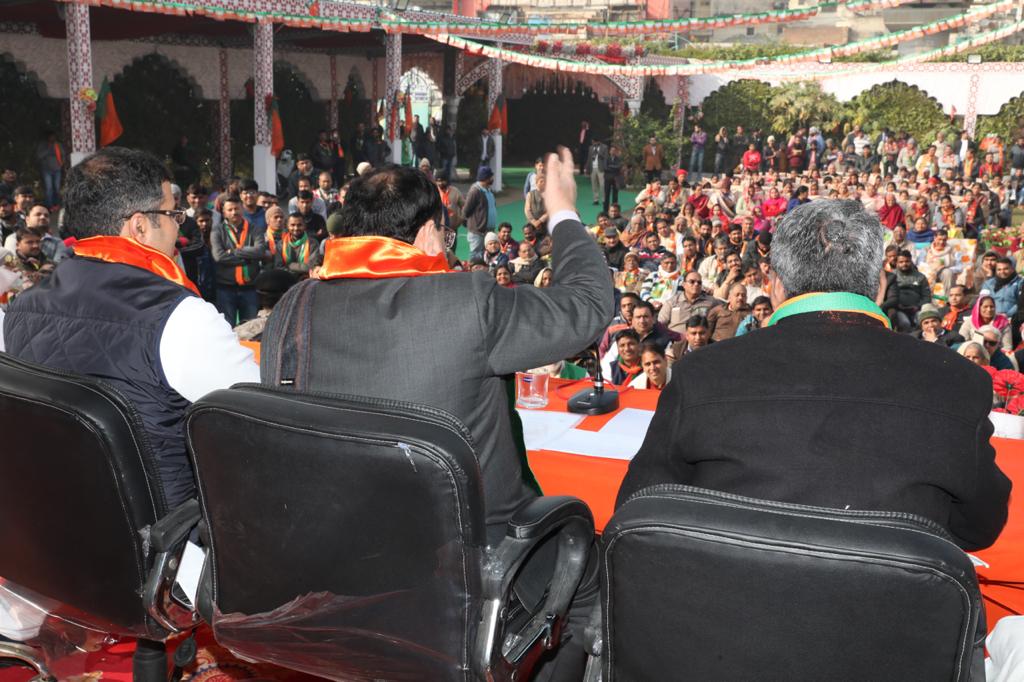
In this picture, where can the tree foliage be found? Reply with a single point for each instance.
(742, 102)
(635, 131)
(803, 104)
(897, 106)
(1008, 123)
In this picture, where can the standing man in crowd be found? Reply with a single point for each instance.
(481, 211)
(654, 159)
(122, 310)
(238, 250)
(824, 411)
(50, 157)
(489, 332)
(487, 149)
(612, 178)
(597, 162)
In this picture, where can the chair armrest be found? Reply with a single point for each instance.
(167, 541)
(168, 532)
(508, 655)
(539, 516)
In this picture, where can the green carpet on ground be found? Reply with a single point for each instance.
(511, 204)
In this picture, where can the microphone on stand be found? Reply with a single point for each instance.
(595, 400)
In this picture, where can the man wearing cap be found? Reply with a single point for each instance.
(613, 249)
(931, 330)
(481, 212)
(10, 220)
(826, 407)
(24, 198)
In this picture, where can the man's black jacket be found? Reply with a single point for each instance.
(832, 409)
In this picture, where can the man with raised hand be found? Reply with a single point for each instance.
(453, 340)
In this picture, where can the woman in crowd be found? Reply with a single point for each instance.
(543, 280)
(975, 352)
(890, 214)
(503, 276)
(722, 151)
(770, 154)
(984, 313)
(656, 370)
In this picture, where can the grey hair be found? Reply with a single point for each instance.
(108, 187)
(828, 245)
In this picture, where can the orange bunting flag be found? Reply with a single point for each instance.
(276, 130)
(499, 116)
(408, 112)
(106, 112)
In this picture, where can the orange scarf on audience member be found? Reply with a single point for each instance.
(130, 252)
(377, 258)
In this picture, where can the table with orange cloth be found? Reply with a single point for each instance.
(596, 481)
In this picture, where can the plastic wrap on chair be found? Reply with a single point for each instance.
(418, 633)
(64, 637)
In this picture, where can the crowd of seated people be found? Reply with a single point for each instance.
(689, 267)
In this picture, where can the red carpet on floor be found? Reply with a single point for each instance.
(114, 662)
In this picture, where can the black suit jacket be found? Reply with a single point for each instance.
(451, 341)
(834, 410)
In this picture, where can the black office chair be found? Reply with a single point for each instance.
(702, 585)
(347, 540)
(79, 506)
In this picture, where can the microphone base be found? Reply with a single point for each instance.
(591, 401)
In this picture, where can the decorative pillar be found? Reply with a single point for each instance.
(224, 111)
(495, 86)
(392, 83)
(79, 49)
(971, 115)
(682, 101)
(264, 166)
(332, 109)
(450, 114)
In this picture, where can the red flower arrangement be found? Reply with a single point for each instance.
(1008, 386)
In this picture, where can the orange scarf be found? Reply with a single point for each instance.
(377, 258)
(130, 252)
(271, 244)
(238, 241)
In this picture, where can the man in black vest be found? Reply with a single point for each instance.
(407, 329)
(827, 406)
(121, 308)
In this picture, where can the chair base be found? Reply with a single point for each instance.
(30, 657)
(149, 663)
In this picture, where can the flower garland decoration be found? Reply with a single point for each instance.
(609, 50)
(89, 96)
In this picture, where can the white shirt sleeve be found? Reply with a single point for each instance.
(559, 217)
(2, 347)
(200, 353)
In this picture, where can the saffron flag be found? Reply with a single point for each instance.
(408, 112)
(499, 116)
(106, 112)
(393, 118)
(276, 130)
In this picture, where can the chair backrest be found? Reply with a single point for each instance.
(345, 534)
(78, 490)
(709, 586)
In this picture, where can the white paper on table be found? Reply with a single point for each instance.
(540, 427)
(620, 438)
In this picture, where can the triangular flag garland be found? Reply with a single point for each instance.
(106, 112)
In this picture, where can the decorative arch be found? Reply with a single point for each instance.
(22, 126)
(172, 64)
(158, 104)
(419, 80)
(469, 79)
(25, 74)
(296, 73)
